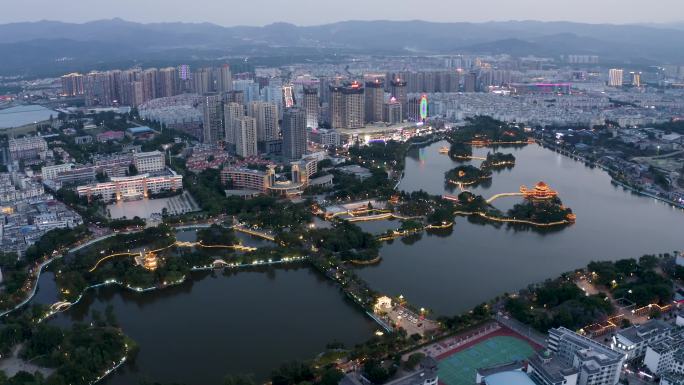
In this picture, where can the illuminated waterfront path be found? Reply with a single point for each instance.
(254, 233)
(502, 195)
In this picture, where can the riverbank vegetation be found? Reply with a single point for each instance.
(19, 274)
(484, 130)
(561, 301)
(79, 355)
(558, 303)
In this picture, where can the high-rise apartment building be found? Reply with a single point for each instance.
(235, 97)
(615, 77)
(266, 115)
(310, 105)
(245, 133)
(391, 112)
(72, 84)
(414, 109)
(231, 111)
(223, 79)
(288, 96)
(149, 82)
(184, 78)
(212, 117)
(636, 79)
(470, 82)
(398, 91)
(167, 82)
(202, 81)
(375, 98)
(347, 106)
(294, 133)
(97, 89)
(448, 81)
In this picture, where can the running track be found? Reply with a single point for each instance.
(503, 331)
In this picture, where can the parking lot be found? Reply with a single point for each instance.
(410, 321)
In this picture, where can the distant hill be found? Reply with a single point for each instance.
(104, 41)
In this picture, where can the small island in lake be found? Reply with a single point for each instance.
(541, 205)
(498, 160)
(460, 151)
(542, 211)
(467, 175)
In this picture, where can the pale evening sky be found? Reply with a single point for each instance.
(311, 12)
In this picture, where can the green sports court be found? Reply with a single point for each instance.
(460, 367)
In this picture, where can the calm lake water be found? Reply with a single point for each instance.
(23, 115)
(478, 262)
(252, 321)
(247, 322)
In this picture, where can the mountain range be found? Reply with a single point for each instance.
(51, 46)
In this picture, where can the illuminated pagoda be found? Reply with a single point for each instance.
(540, 191)
(149, 260)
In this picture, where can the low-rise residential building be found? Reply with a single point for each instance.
(667, 355)
(107, 136)
(27, 212)
(51, 172)
(266, 182)
(359, 172)
(595, 363)
(85, 139)
(18, 187)
(149, 162)
(30, 147)
(247, 179)
(325, 137)
(131, 187)
(634, 340)
(545, 369)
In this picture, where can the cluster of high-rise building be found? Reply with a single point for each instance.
(428, 81)
(616, 78)
(136, 86)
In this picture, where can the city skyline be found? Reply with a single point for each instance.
(153, 11)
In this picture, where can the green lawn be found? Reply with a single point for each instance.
(460, 368)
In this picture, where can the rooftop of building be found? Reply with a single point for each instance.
(639, 333)
(380, 128)
(674, 341)
(146, 154)
(588, 348)
(673, 378)
(427, 371)
(354, 168)
(507, 367)
(24, 115)
(245, 170)
(139, 130)
(550, 367)
(509, 378)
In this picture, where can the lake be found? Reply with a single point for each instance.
(246, 322)
(251, 321)
(478, 262)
